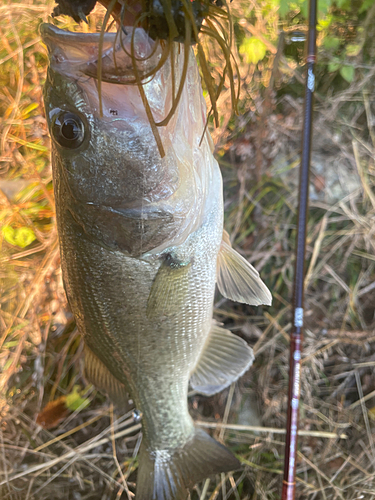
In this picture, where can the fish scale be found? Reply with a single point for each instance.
(142, 246)
(105, 273)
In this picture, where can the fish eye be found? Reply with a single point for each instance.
(68, 130)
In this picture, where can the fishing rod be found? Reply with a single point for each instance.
(290, 461)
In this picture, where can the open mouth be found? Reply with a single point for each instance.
(109, 57)
(127, 57)
(137, 37)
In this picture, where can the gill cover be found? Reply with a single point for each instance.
(110, 177)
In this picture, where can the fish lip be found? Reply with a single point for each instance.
(75, 53)
(73, 47)
(49, 31)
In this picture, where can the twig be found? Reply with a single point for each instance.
(316, 469)
(362, 400)
(17, 98)
(40, 275)
(72, 431)
(205, 489)
(226, 412)
(257, 428)
(365, 417)
(253, 465)
(114, 453)
(316, 251)
(77, 451)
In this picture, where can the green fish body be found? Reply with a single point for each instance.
(141, 240)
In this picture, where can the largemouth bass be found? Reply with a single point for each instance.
(142, 246)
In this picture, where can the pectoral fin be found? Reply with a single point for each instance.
(97, 373)
(170, 288)
(237, 279)
(225, 358)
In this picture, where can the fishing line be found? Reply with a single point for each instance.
(145, 101)
(108, 13)
(181, 85)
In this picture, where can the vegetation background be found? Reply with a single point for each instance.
(59, 438)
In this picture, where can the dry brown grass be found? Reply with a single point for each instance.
(91, 453)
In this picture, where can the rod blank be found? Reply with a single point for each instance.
(296, 338)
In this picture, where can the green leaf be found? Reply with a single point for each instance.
(7, 365)
(74, 400)
(8, 234)
(343, 4)
(29, 109)
(365, 6)
(284, 8)
(9, 345)
(253, 50)
(331, 42)
(303, 6)
(24, 236)
(333, 66)
(347, 72)
(323, 6)
(325, 23)
(31, 145)
(353, 49)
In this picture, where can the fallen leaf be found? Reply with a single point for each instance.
(56, 411)
(53, 413)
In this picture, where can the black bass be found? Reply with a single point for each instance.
(142, 247)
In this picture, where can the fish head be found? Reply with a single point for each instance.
(109, 157)
(108, 172)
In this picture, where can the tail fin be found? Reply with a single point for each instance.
(168, 475)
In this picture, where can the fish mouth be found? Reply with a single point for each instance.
(126, 57)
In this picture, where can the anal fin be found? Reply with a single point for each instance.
(224, 359)
(170, 288)
(99, 375)
(237, 279)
